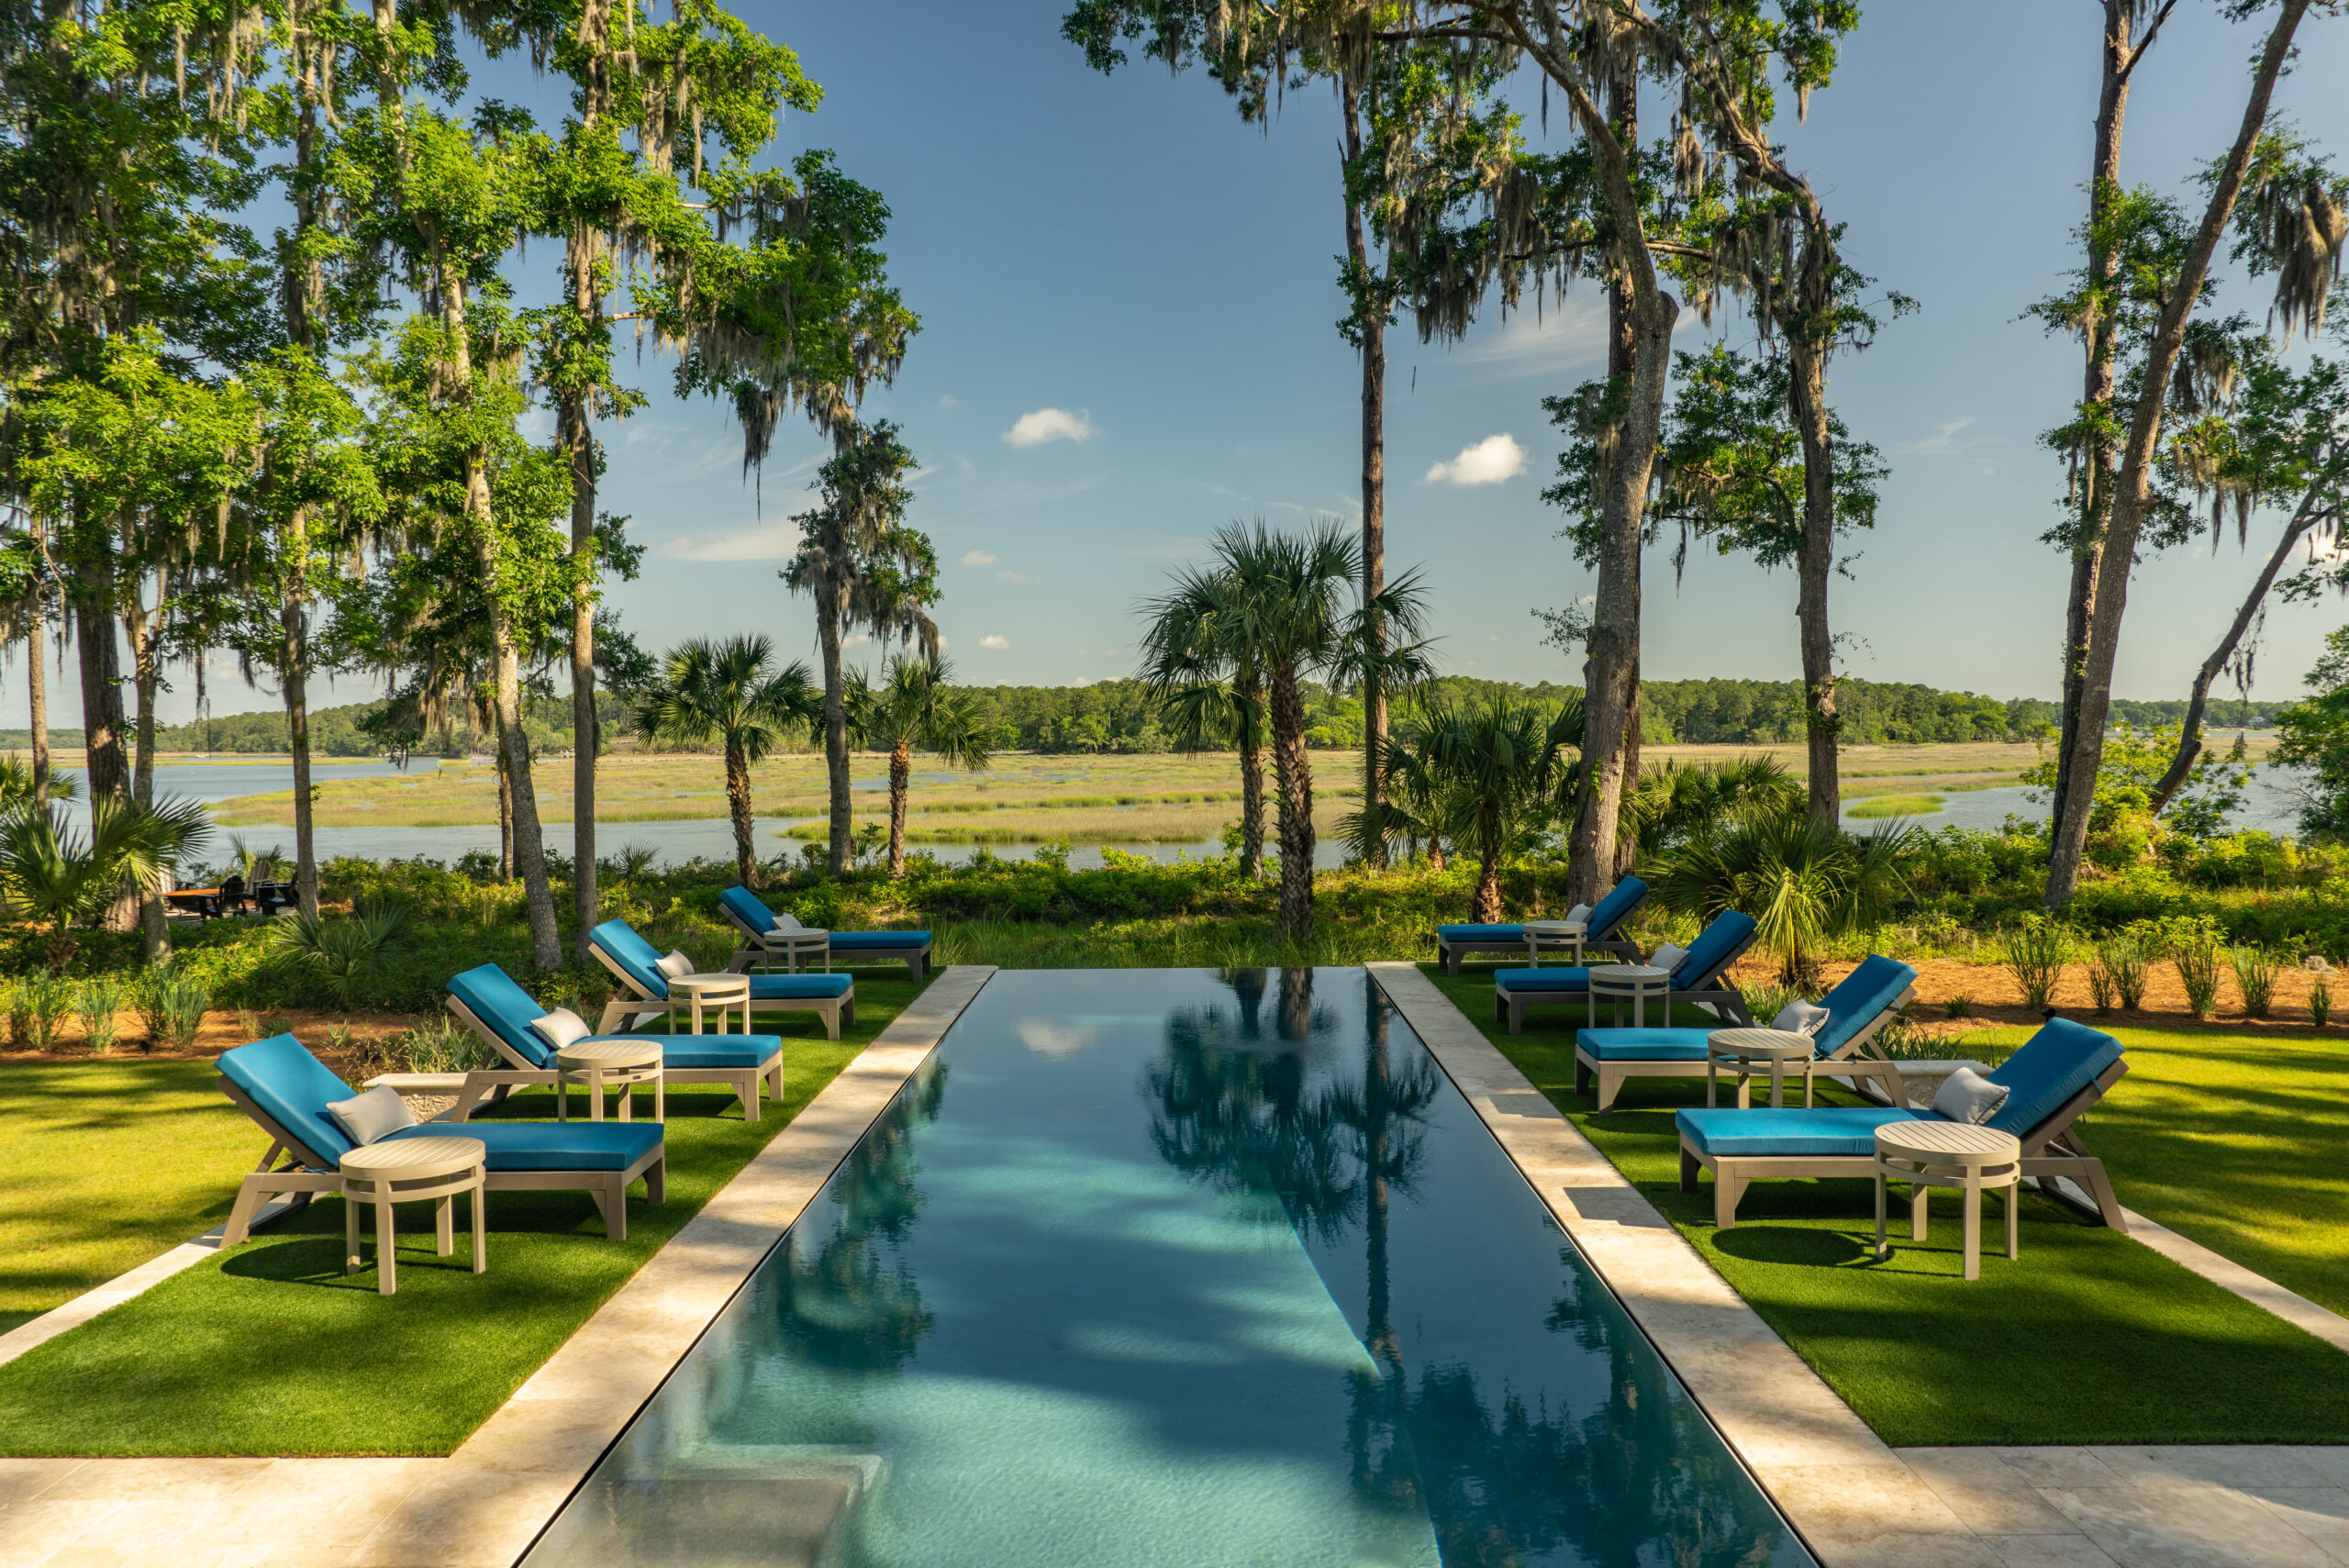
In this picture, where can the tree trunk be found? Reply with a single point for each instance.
(105, 768)
(1485, 908)
(504, 810)
(1622, 357)
(2189, 734)
(294, 679)
(1373, 489)
(828, 640)
(37, 688)
(144, 631)
(1293, 776)
(1251, 785)
(529, 850)
(579, 442)
(2095, 476)
(1814, 565)
(2132, 495)
(901, 772)
(737, 806)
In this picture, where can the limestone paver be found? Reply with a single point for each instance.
(482, 1506)
(1854, 1501)
(2292, 1307)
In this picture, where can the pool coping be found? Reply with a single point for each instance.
(483, 1506)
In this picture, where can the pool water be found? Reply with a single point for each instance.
(1159, 1267)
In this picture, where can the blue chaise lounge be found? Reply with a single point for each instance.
(1857, 1009)
(2051, 1079)
(1603, 930)
(1701, 977)
(753, 920)
(286, 1091)
(488, 1001)
(635, 963)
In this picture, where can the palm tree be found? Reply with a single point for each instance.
(1209, 690)
(1282, 598)
(1802, 880)
(914, 705)
(1680, 798)
(1490, 771)
(731, 692)
(51, 875)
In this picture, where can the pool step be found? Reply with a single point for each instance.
(729, 1505)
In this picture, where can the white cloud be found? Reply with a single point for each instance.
(949, 401)
(979, 558)
(1011, 576)
(1489, 461)
(764, 541)
(1034, 429)
(992, 640)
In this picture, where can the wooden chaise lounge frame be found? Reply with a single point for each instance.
(1845, 1062)
(310, 1172)
(751, 947)
(621, 1013)
(1716, 991)
(1450, 952)
(495, 1083)
(2050, 1150)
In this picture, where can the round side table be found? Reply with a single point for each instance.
(1554, 935)
(603, 1065)
(409, 1169)
(724, 991)
(800, 946)
(1936, 1154)
(1745, 1053)
(1635, 982)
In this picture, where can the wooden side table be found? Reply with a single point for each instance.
(798, 946)
(409, 1169)
(1745, 1053)
(1956, 1155)
(1554, 935)
(1633, 981)
(723, 992)
(603, 1065)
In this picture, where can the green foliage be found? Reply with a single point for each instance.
(1489, 776)
(2320, 1002)
(2195, 956)
(2316, 738)
(53, 874)
(1803, 881)
(2118, 970)
(344, 950)
(2036, 951)
(2254, 970)
(173, 1000)
(96, 1001)
(38, 1010)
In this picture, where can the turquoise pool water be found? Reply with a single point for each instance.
(1174, 1268)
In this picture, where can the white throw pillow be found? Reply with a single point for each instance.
(560, 1027)
(1967, 1095)
(675, 964)
(1668, 958)
(369, 1118)
(1579, 912)
(1799, 1016)
(786, 921)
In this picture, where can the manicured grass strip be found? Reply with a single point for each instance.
(271, 1350)
(2090, 1338)
(104, 1162)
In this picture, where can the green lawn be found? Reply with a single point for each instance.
(271, 1350)
(2091, 1338)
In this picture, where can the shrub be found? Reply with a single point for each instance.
(37, 1012)
(2117, 973)
(96, 1003)
(2036, 952)
(173, 1002)
(2254, 970)
(440, 1046)
(2196, 958)
(20, 1017)
(1959, 1006)
(342, 953)
(2320, 1002)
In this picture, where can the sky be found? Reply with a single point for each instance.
(1129, 301)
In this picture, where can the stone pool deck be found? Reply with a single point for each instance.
(482, 1506)
(1856, 1502)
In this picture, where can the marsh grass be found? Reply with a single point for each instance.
(1897, 806)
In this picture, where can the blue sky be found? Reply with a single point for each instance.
(1119, 269)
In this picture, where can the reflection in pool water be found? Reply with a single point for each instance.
(1159, 1267)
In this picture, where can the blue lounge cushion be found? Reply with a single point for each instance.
(734, 1051)
(1571, 977)
(293, 1088)
(1643, 1045)
(2049, 1068)
(635, 957)
(1715, 949)
(1611, 911)
(552, 1145)
(1825, 1129)
(798, 987)
(877, 942)
(749, 910)
(1480, 933)
(1876, 986)
(491, 994)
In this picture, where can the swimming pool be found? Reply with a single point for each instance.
(1165, 1267)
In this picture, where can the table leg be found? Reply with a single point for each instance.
(595, 1093)
(1808, 1078)
(661, 1097)
(1917, 1210)
(1973, 1224)
(1777, 1083)
(387, 1281)
(444, 1225)
(2014, 1220)
(1712, 1081)
(477, 1198)
(628, 1098)
(351, 1259)
(1882, 1251)
(562, 1095)
(1744, 1086)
